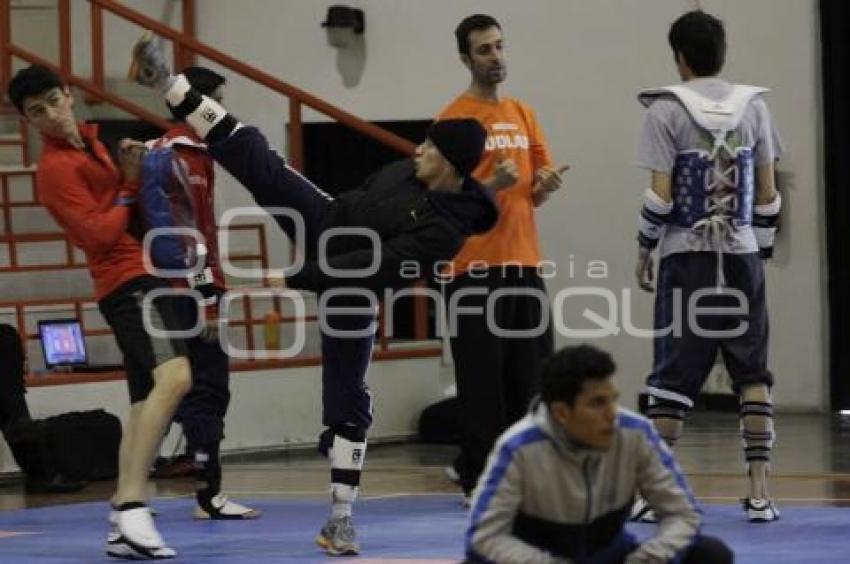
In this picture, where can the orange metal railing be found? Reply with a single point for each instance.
(296, 96)
(186, 48)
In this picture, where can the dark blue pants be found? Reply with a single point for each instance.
(346, 399)
(345, 360)
(682, 363)
(202, 410)
(496, 376)
(247, 156)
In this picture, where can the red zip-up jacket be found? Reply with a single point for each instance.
(79, 188)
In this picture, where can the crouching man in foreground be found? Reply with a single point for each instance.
(559, 484)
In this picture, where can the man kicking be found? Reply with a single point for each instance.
(420, 210)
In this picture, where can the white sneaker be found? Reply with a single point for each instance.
(642, 512)
(760, 510)
(222, 508)
(113, 516)
(135, 537)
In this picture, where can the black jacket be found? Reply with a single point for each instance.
(417, 227)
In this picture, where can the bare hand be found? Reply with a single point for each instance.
(505, 174)
(130, 155)
(644, 270)
(547, 180)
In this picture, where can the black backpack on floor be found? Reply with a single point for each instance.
(440, 422)
(80, 446)
(83, 445)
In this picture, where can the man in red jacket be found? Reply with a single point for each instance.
(89, 198)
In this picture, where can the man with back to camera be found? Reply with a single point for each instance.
(495, 375)
(421, 211)
(201, 413)
(710, 146)
(559, 485)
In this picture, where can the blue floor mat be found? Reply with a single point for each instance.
(404, 529)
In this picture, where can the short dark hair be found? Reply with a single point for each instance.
(476, 22)
(563, 374)
(701, 40)
(32, 81)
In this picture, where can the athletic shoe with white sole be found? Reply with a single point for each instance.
(149, 66)
(134, 536)
(220, 508)
(338, 537)
(760, 510)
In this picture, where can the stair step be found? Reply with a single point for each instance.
(17, 169)
(31, 219)
(11, 139)
(11, 153)
(19, 286)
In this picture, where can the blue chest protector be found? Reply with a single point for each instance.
(697, 188)
(712, 190)
(166, 201)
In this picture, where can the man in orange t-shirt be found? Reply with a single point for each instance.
(496, 366)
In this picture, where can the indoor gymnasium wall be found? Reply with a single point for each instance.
(579, 63)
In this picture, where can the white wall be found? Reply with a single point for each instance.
(270, 408)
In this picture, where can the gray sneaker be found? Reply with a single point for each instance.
(149, 66)
(338, 537)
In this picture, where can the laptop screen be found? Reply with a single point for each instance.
(62, 342)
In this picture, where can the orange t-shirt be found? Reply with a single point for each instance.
(512, 132)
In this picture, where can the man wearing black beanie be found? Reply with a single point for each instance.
(421, 210)
(460, 141)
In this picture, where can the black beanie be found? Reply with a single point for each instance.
(460, 141)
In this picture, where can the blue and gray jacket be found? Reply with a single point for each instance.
(544, 499)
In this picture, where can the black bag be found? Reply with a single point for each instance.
(13, 405)
(440, 422)
(79, 446)
(83, 445)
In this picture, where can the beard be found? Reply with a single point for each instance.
(492, 75)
